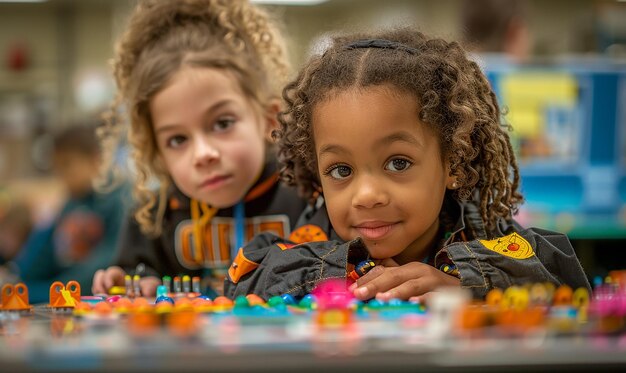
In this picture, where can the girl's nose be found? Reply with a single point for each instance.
(205, 152)
(369, 193)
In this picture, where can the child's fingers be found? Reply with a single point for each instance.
(421, 287)
(406, 290)
(97, 286)
(114, 276)
(382, 279)
(371, 275)
(423, 299)
(148, 285)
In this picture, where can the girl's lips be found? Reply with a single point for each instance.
(215, 182)
(374, 231)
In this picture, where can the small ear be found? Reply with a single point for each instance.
(271, 118)
(451, 180)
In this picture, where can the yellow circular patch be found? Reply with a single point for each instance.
(514, 246)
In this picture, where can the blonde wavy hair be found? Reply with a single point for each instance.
(163, 36)
(455, 101)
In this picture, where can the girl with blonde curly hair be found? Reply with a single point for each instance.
(199, 81)
(397, 141)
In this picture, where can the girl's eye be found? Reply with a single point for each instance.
(339, 172)
(175, 141)
(222, 124)
(398, 165)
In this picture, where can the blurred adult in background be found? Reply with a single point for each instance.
(83, 236)
(496, 27)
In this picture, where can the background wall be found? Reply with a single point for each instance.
(54, 65)
(66, 45)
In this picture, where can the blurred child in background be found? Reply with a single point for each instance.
(15, 226)
(400, 136)
(82, 237)
(200, 81)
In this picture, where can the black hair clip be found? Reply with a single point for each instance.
(380, 43)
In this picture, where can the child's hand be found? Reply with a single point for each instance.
(149, 285)
(104, 279)
(388, 280)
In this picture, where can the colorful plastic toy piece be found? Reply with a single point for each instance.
(117, 290)
(64, 296)
(361, 269)
(164, 298)
(563, 296)
(332, 294)
(183, 323)
(15, 298)
(289, 299)
(241, 302)
(255, 300)
(333, 304)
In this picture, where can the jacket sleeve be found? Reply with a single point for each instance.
(269, 266)
(529, 256)
(134, 247)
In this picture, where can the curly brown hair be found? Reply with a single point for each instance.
(163, 36)
(455, 100)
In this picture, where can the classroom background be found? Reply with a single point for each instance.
(566, 99)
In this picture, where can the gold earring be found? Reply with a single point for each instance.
(454, 185)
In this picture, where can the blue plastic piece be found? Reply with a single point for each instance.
(288, 299)
(395, 302)
(164, 298)
(161, 291)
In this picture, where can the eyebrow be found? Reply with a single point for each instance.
(385, 141)
(211, 109)
(331, 148)
(402, 136)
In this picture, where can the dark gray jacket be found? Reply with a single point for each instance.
(508, 255)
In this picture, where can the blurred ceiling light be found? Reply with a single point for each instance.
(289, 2)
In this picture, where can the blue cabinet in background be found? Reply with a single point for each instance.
(569, 133)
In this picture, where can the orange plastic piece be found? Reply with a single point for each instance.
(202, 305)
(123, 305)
(142, 305)
(143, 323)
(183, 304)
(222, 301)
(201, 302)
(183, 323)
(563, 296)
(473, 317)
(334, 318)
(494, 297)
(619, 277)
(64, 296)
(255, 300)
(103, 308)
(82, 308)
(15, 297)
(163, 308)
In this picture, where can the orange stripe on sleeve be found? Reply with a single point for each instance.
(240, 267)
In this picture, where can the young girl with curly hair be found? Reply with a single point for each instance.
(397, 141)
(200, 82)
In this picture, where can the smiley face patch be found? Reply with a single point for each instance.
(513, 245)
